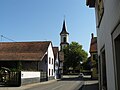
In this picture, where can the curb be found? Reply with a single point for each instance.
(88, 85)
(80, 86)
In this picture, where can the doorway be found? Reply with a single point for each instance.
(117, 55)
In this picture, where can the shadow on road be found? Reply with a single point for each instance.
(90, 87)
(90, 84)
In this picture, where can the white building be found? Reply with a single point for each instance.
(56, 62)
(108, 33)
(50, 61)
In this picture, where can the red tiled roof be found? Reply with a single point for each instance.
(93, 45)
(23, 50)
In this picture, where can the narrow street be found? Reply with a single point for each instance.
(68, 83)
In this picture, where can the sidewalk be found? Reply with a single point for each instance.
(90, 85)
(23, 87)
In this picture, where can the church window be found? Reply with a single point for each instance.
(64, 39)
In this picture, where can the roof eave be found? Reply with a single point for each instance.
(90, 3)
(64, 33)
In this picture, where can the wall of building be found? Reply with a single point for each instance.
(116, 46)
(56, 72)
(25, 65)
(29, 65)
(62, 37)
(61, 68)
(43, 64)
(51, 64)
(9, 64)
(28, 77)
(110, 19)
(94, 69)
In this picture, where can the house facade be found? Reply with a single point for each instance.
(28, 56)
(61, 59)
(108, 39)
(56, 62)
(93, 57)
(50, 63)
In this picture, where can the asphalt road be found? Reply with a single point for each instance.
(68, 83)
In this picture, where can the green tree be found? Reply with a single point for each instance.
(87, 65)
(74, 54)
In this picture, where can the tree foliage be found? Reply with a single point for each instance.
(87, 65)
(74, 54)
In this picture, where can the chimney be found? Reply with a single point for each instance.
(92, 35)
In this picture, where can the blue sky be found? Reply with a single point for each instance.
(38, 20)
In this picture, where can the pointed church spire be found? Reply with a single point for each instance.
(64, 37)
(64, 31)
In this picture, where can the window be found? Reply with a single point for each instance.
(117, 55)
(52, 71)
(52, 60)
(49, 72)
(49, 60)
(99, 75)
(64, 39)
(104, 76)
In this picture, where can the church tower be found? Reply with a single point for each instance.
(63, 37)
